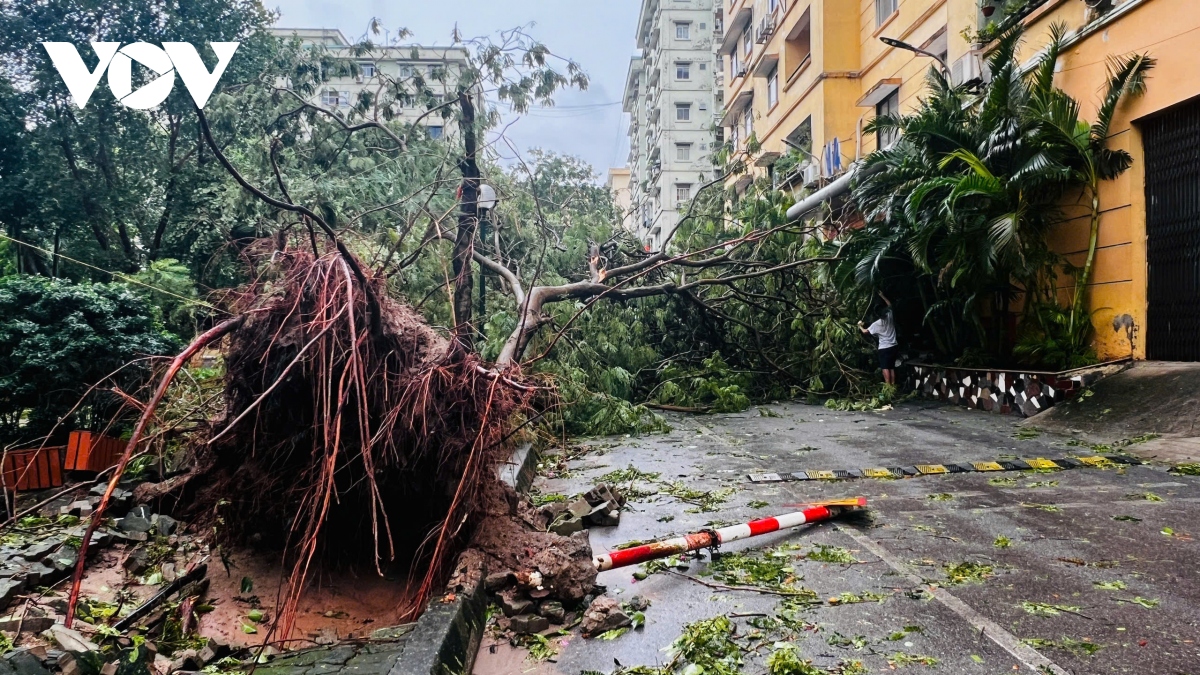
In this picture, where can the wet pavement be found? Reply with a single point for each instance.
(1076, 591)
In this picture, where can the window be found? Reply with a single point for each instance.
(773, 88)
(748, 124)
(797, 46)
(888, 106)
(431, 71)
(436, 132)
(368, 69)
(884, 9)
(406, 71)
(683, 192)
(747, 42)
(735, 65)
(702, 25)
(683, 112)
(683, 71)
(683, 30)
(774, 5)
(330, 97)
(703, 67)
(683, 152)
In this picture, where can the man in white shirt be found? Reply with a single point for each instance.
(889, 346)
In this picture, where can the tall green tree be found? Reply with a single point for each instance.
(966, 198)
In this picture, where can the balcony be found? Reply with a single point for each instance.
(997, 16)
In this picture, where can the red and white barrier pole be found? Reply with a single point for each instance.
(710, 538)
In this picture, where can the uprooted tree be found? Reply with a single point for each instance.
(346, 417)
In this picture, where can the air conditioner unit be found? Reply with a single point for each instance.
(811, 173)
(741, 72)
(358, 78)
(967, 69)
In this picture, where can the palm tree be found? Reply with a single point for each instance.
(968, 194)
(1091, 159)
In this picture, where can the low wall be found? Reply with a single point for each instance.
(1009, 392)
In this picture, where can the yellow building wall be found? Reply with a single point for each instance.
(848, 60)
(1168, 30)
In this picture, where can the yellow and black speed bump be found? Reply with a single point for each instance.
(1039, 463)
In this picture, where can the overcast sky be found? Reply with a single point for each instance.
(598, 35)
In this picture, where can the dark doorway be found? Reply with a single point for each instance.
(1172, 144)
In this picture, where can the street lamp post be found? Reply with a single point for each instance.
(486, 203)
(892, 42)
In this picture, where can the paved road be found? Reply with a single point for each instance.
(1059, 551)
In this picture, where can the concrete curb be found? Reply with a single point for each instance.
(447, 635)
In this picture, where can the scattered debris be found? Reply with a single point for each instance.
(603, 615)
(1045, 609)
(963, 572)
(1144, 496)
(1077, 647)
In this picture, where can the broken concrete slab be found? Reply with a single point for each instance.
(512, 602)
(70, 640)
(603, 615)
(553, 611)
(525, 624)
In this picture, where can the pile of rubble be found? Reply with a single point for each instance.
(599, 507)
(38, 552)
(41, 551)
(540, 561)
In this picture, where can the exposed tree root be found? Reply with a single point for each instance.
(341, 443)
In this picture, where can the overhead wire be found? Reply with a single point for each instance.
(117, 275)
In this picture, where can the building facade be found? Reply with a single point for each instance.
(435, 67)
(671, 93)
(618, 184)
(802, 78)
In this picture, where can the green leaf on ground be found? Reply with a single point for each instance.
(1078, 647)
(830, 554)
(1027, 433)
(1042, 484)
(1127, 519)
(758, 504)
(628, 475)
(1050, 508)
(1045, 609)
(542, 500)
(940, 497)
(1002, 542)
(1144, 496)
(1186, 470)
(1145, 603)
(614, 633)
(902, 659)
(1003, 480)
(967, 571)
(1110, 585)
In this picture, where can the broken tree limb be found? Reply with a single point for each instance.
(209, 336)
(160, 597)
(714, 538)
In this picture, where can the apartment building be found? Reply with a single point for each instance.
(803, 77)
(618, 184)
(436, 67)
(671, 93)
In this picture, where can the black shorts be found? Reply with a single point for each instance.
(887, 358)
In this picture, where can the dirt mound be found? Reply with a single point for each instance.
(510, 538)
